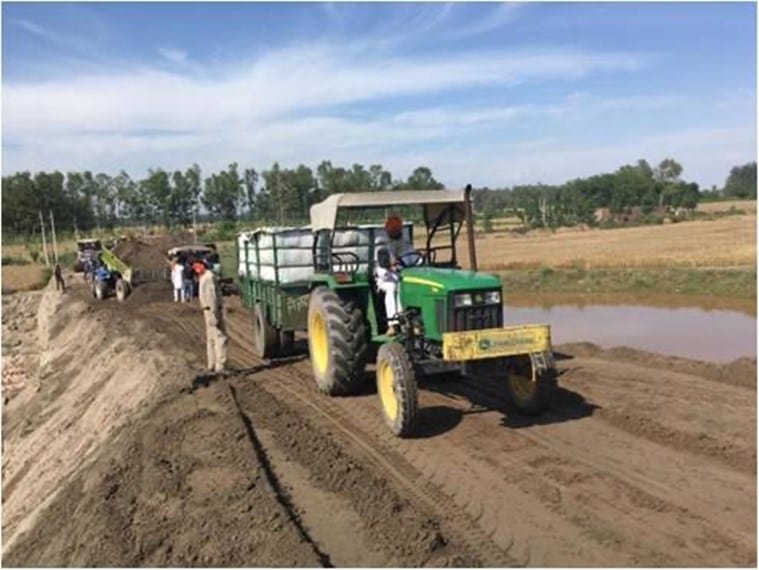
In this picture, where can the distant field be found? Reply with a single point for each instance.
(749, 206)
(728, 242)
(22, 277)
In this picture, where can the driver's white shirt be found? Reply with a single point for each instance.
(387, 279)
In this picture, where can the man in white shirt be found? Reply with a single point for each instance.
(402, 254)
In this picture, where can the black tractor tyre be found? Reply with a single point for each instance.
(337, 342)
(123, 290)
(265, 336)
(531, 382)
(397, 389)
(100, 290)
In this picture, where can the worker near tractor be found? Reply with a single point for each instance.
(210, 302)
(401, 253)
(177, 280)
(59, 282)
(188, 281)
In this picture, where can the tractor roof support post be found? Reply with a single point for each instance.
(470, 227)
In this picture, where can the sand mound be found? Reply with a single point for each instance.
(140, 256)
(92, 380)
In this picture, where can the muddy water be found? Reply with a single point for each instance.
(719, 335)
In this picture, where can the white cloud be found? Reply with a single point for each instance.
(286, 81)
(287, 106)
(502, 14)
(173, 55)
(32, 28)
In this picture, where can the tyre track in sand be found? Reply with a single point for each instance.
(285, 383)
(556, 493)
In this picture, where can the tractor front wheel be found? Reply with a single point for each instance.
(337, 342)
(100, 290)
(530, 382)
(396, 386)
(122, 290)
(265, 337)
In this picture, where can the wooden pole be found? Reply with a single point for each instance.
(44, 242)
(55, 242)
(470, 227)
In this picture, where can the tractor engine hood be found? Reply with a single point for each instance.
(440, 280)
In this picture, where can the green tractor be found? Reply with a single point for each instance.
(322, 280)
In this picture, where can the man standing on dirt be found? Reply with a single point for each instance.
(60, 284)
(209, 295)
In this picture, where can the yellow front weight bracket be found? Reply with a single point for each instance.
(491, 343)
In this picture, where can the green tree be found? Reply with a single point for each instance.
(667, 176)
(250, 180)
(156, 190)
(223, 193)
(422, 179)
(741, 183)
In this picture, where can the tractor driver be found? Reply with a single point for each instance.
(402, 254)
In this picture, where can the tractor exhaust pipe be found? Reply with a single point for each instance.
(470, 227)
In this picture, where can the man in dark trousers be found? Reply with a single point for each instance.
(59, 283)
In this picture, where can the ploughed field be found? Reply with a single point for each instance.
(131, 460)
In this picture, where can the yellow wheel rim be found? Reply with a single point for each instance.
(318, 337)
(386, 381)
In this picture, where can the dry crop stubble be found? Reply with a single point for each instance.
(726, 243)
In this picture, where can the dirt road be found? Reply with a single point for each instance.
(642, 460)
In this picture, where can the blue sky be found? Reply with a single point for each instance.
(489, 93)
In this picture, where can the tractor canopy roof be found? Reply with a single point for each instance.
(88, 244)
(435, 203)
(194, 249)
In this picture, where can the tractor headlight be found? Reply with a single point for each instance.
(493, 297)
(462, 300)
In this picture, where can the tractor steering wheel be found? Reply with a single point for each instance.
(419, 260)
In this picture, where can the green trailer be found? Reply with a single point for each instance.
(321, 280)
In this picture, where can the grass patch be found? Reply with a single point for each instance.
(10, 260)
(736, 283)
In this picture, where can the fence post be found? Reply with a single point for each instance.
(44, 242)
(55, 242)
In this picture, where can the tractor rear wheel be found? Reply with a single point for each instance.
(265, 336)
(100, 290)
(530, 382)
(396, 386)
(337, 342)
(122, 290)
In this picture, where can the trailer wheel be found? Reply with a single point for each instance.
(396, 386)
(122, 290)
(337, 342)
(265, 336)
(530, 382)
(101, 290)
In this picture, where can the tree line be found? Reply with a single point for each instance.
(84, 201)
(631, 186)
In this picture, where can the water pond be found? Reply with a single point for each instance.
(712, 334)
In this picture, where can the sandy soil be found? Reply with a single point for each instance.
(642, 460)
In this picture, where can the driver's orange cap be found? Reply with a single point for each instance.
(393, 225)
